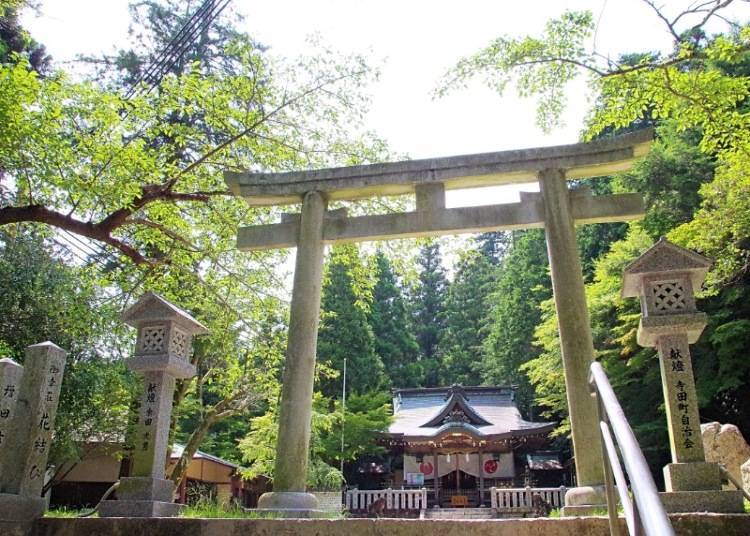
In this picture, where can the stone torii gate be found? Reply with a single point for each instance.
(556, 209)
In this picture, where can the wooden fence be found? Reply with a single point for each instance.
(395, 499)
(519, 499)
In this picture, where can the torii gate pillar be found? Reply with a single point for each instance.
(295, 413)
(576, 342)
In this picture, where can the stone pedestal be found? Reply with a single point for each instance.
(715, 501)
(290, 504)
(142, 497)
(20, 508)
(162, 355)
(585, 501)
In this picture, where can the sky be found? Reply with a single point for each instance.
(415, 41)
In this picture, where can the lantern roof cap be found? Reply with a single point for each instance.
(152, 307)
(664, 258)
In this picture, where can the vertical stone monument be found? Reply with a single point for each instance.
(10, 385)
(28, 434)
(162, 353)
(665, 278)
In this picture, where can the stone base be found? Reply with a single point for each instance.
(288, 500)
(289, 513)
(139, 509)
(715, 501)
(693, 476)
(585, 501)
(139, 488)
(20, 508)
(584, 510)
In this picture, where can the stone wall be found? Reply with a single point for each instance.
(684, 524)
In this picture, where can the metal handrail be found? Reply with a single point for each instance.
(644, 513)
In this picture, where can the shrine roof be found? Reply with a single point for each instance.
(598, 158)
(664, 257)
(482, 412)
(152, 306)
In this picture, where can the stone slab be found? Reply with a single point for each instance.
(290, 513)
(594, 159)
(442, 221)
(653, 327)
(703, 501)
(169, 363)
(695, 476)
(19, 508)
(584, 510)
(684, 524)
(139, 509)
(145, 489)
(13, 528)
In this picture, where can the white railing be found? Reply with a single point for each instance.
(395, 499)
(520, 499)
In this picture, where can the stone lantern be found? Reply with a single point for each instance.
(162, 355)
(665, 278)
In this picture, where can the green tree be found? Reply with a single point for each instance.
(428, 310)
(394, 341)
(43, 299)
(702, 85)
(15, 42)
(523, 283)
(139, 180)
(345, 332)
(466, 321)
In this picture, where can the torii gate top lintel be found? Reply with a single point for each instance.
(429, 179)
(581, 160)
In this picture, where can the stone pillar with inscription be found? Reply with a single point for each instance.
(162, 355)
(27, 429)
(10, 384)
(665, 278)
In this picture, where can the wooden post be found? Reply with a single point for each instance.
(458, 474)
(436, 478)
(480, 454)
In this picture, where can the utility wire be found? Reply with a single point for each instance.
(159, 67)
(175, 49)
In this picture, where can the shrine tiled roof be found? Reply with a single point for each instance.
(489, 412)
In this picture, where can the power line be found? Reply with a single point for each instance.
(163, 63)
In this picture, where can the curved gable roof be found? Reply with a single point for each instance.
(421, 413)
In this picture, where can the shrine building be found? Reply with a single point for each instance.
(472, 439)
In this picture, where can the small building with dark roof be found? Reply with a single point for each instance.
(462, 441)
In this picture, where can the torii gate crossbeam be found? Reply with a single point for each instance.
(556, 208)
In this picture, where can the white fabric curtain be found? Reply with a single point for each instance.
(503, 467)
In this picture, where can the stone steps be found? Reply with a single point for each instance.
(684, 525)
(459, 513)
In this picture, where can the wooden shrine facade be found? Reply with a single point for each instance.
(462, 441)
